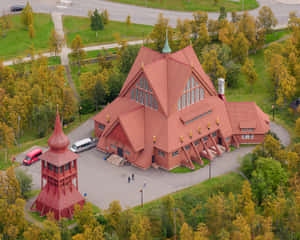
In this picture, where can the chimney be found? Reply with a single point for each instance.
(221, 88)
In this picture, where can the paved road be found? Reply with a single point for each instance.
(104, 182)
(140, 15)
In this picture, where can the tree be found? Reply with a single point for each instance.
(25, 181)
(223, 13)
(113, 214)
(212, 65)
(200, 17)
(69, 107)
(227, 34)
(249, 71)
(128, 20)
(201, 233)
(267, 177)
(127, 58)
(240, 47)
(31, 31)
(186, 232)
(141, 228)
(247, 26)
(84, 216)
(55, 42)
(27, 15)
(242, 229)
(105, 16)
(77, 51)
(158, 34)
(7, 136)
(202, 39)
(266, 19)
(297, 128)
(51, 229)
(96, 22)
(232, 74)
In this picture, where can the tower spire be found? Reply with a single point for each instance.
(167, 48)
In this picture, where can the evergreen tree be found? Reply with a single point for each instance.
(96, 22)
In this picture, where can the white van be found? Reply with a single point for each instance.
(84, 144)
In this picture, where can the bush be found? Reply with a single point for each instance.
(25, 181)
(248, 165)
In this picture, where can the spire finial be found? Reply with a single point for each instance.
(167, 48)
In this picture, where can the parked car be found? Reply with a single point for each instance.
(84, 144)
(32, 156)
(17, 8)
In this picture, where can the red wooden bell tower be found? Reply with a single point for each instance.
(59, 186)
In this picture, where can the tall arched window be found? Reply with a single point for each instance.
(142, 93)
(192, 94)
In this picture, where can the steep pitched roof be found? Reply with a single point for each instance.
(167, 75)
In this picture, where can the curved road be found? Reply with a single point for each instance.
(141, 15)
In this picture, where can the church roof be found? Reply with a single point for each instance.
(167, 74)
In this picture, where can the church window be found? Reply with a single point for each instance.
(61, 169)
(188, 100)
(187, 147)
(205, 139)
(101, 126)
(214, 134)
(193, 82)
(151, 101)
(137, 95)
(146, 99)
(132, 94)
(161, 153)
(142, 82)
(146, 85)
(56, 169)
(183, 101)
(175, 153)
(142, 97)
(197, 142)
(155, 104)
(193, 96)
(197, 94)
(67, 167)
(201, 94)
(179, 104)
(50, 167)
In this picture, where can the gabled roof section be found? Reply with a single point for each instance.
(144, 57)
(167, 75)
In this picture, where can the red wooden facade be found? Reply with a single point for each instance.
(169, 113)
(59, 180)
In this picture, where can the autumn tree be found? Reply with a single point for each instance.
(31, 31)
(27, 15)
(77, 50)
(113, 215)
(7, 137)
(141, 228)
(96, 22)
(128, 20)
(227, 34)
(84, 216)
(55, 42)
(202, 39)
(201, 233)
(240, 48)
(5, 24)
(249, 70)
(266, 19)
(158, 34)
(247, 26)
(212, 65)
(297, 128)
(105, 16)
(200, 17)
(50, 228)
(186, 232)
(69, 105)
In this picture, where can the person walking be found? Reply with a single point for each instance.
(129, 179)
(132, 177)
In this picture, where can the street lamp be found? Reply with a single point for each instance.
(142, 194)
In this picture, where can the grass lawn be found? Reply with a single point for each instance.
(17, 40)
(29, 139)
(182, 169)
(81, 26)
(190, 197)
(271, 37)
(193, 5)
(83, 69)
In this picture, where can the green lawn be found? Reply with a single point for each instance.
(271, 37)
(83, 69)
(17, 40)
(81, 26)
(183, 169)
(194, 5)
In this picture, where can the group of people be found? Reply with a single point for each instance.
(131, 178)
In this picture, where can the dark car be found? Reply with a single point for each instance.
(17, 8)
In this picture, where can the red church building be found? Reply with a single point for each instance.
(59, 185)
(168, 114)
